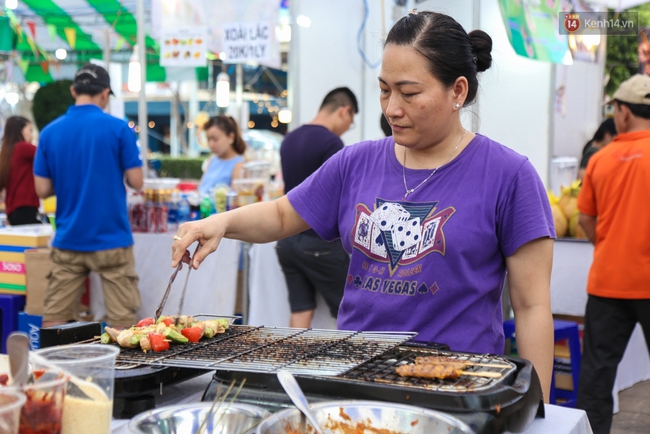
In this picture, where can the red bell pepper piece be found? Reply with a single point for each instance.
(145, 322)
(168, 321)
(193, 334)
(158, 342)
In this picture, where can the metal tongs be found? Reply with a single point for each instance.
(158, 311)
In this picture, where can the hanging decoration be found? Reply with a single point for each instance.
(31, 25)
(51, 28)
(45, 66)
(119, 43)
(71, 36)
(23, 64)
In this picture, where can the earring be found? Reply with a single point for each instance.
(457, 106)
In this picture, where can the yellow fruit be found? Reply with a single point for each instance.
(560, 221)
(569, 200)
(569, 205)
(575, 230)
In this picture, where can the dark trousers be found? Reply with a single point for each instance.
(25, 215)
(609, 323)
(310, 265)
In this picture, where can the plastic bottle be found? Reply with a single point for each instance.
(206, 206)
(194, 200)
(162, 211)
(172, 213)
(183, 210)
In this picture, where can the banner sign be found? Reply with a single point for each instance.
(247, 41)
(183, 46)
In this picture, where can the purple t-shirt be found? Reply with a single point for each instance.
(434, 264)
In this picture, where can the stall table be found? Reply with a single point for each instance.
(268, 295)
(211, 289)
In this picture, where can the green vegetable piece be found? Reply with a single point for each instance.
(224, 322)
(105, 338)
(174, 336)
(135, 339)
(209, 331)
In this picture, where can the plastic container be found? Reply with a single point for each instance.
(564, 170)
(43, 409)
(250, 190)
(94, 364)
(11, 402)
(257, 170)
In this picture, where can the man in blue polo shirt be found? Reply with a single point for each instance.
(84, 157)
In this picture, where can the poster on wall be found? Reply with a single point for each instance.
(216, 16)
(183, 46)
(532, 28)
(247, 41)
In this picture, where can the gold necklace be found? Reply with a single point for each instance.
(409, 191)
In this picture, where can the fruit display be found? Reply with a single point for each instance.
(565, 212)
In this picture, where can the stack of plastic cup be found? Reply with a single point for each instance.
(11, 401)
(88, 405)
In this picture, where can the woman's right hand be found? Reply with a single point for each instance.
(208, 232)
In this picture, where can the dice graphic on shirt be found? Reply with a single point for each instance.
(406, 233)
(387, 215)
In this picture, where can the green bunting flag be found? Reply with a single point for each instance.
(51, 28)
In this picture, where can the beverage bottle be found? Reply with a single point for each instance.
(150, 210)
(206, 207)
(172, 213)
(162, 212)
(195, 211)
(183, 210)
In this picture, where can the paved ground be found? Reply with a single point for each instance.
(634, 414)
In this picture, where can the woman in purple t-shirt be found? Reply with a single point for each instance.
(433, 216)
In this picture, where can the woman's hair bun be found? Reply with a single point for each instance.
(481, 47)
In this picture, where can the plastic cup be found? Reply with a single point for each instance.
(88, 408)
(11, 401)
(43, 409)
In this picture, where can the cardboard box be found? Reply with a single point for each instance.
(31, 324)
(26, 236)
(37, 267)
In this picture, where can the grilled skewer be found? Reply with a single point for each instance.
(442, 360)
(440, 371)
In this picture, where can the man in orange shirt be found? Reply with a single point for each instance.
(614, 206)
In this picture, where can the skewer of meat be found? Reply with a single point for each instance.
(440, 371)
(438, 360)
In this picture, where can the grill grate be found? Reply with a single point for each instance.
(382, 370)
(269, 349)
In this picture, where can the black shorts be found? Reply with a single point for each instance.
(25, 215)
(310, 265)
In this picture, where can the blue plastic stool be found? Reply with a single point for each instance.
(564, 330)
(10, 305)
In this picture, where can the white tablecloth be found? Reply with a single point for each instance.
(571, 263)
(210, 289)
(268, 295)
